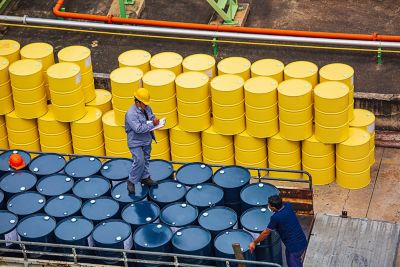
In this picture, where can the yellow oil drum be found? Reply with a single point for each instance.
(284, 158)
(3, 133)
(192, 87)
(10, 50)
(332, 119)
(313, 146)
(271, 68)
(102, 100)
(260, 92)
(26, 74)
(6, 99)
(64, 78)
(304, 70)
(295, 116)
(194, 123)
(115, 139)
(337, 72)
(22, 132)
(66, 148)
(200, 63)
(331, 97)
(262, 129)
(318, 162)
(125, 81)
(285, 175)
(119, 115)
(135, 58)
(87, 133)
(278, 144)
(262, 164)
(167, 60)
(54, 135)
(18, 124)
(32, 109)
(235, 65)
(77, 54)
(356, 146)
(30, 146)
(184, 144)
(320, 176)
(331, 135)
(98, 151)
(353, 180)
(217, 147)
(295, 94)
(123, 103)
(365, 120)
(162, 146)
(4, 75)
(296, 132)
(250, 151)
(6, 104)
(88, 86)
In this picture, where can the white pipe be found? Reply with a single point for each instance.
(199, 33)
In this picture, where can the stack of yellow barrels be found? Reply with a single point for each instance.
(228, 104)
(283, 154)
(251, 152)
(161, 148)
(81, 56)
(261, 107)
(55, 136)
(6, 98)
(87, 133)
(102, 100)
(43, 53)
(10, 50)
(115, 139)
(295, 109)
(135, 58)
(271, 68)
(124, 83)
(302, 70)
(200, 63)
(319, 160)
(66, 92)
(22, 133)
(167, 61)
(185, 146)
(3, 133)
(193, 99)
(331, 112)
(161, 86)
(353, 160)
(217, 148)
(235, 65)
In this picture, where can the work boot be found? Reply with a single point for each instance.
(149, 182)
(131, 188)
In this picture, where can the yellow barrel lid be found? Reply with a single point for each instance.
(8, 47)
(102, 96)
(191, 79)
(3, 63)
(36, 50)
(294, 87)
(300, 69)
(210, 130)
(109, 118)
(260, 85)
(277, 136)
(126, 75)
(267, 67)
(166, 60)
(336, 71)
(362, 117)
(63, 70)
(198, 62)
(357, 137)
(331, 90)
(13, 115)
(231, 65)
(25, 67)
(227, 82)
(93, 114)
(159, 77)
(134, 57)
(312, 139)
(49, 116)
(74, 53)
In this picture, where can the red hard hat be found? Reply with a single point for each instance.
(16, 162)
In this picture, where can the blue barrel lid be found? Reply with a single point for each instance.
(178, 214)
(73, 229)
(17, 181)
(99, 209)
(91, 187)
(257, 194)
(218, 218)
(223, 242)
(26, 203)
(205, 195)
(256, 219)
(63, 206)
(141, 212)
(111, 232)
(36, 225)
(160, 169)
(8, 221)
(82, 167)
(185, 237)
(194, 173)
(47, 164)
(152, 235)
(167, 191)
(116, 169)
(231, 177)
(6, 155)
(120, 193)
(55, 184)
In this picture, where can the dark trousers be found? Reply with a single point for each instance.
(293, 259)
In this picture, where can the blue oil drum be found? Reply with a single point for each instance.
(192, 240)
(255, 220)
(256, 195)
(194, 173)
(55, 185)
(37, 228)
(160, 170)
(100, 209)
(91, 187)
(60, 207)
(4, 167)
(116, 170)
(140, 213)
(112, 234)
(167, 191)
(178, 215)
(218, 219)
(204, 196)
(8, 232)
(153, 237)
(2, 200)
(47, 164)
(120, 193)
(232, 179)
(26, 203)
(16, 182)
(223, 246)
(82, 167)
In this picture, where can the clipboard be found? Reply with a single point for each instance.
(160, 125)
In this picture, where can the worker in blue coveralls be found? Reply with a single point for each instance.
(285, 222)
(139, 122)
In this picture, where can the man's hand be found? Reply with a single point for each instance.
(156, 121)
(252, 247)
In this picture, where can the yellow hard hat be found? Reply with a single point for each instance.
(143, 95)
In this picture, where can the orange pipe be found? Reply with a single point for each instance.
(198, 26)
